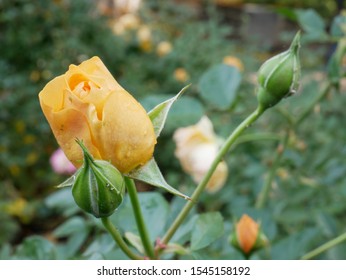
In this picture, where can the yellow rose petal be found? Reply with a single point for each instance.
(67, 125)
(135, 144)
(52, 96)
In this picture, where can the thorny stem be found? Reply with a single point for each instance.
(200, 188)
(143, 232)
(118, 239)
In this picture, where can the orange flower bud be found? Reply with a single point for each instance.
(247, 236)
(87, 103)
(247, 232)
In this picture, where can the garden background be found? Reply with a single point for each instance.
(153, 51)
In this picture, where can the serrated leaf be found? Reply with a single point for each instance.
(151, 174)
(207, 229)
(135, 241)
(218, 85)
(158, 115)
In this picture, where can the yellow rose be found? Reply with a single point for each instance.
(197, 147)
(87, 103)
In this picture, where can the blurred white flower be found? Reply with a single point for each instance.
(144, 37)
(60, 163)
(196, 148)
(127, 6)
(125, 23)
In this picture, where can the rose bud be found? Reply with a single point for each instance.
(87, 103)
(279, 76)
(247, 236)
(98, 186)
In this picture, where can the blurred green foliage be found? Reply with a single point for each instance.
(327, 8)
(306, 205)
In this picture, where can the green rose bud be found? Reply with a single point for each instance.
(98, 187)
(279, 76)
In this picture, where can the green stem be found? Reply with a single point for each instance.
(143, 232)
(118, 239)
(264, 194)
(311, 106)
(200, 188)
(326, 246)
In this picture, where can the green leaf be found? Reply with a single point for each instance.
(326, 223)
(338, 27)
(102, 245)
(188, 110)
(36, 248)
(155, 211)
(158, 115)
(183, 234)
(151, 174)
(62, 200)
(312, 23)
(295, 245)
(135, 241)
(76, 231)
(5, 251)
(69, 227)
(208, 228)
(218, 86)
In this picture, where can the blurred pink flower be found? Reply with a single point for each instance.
(60, 163)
